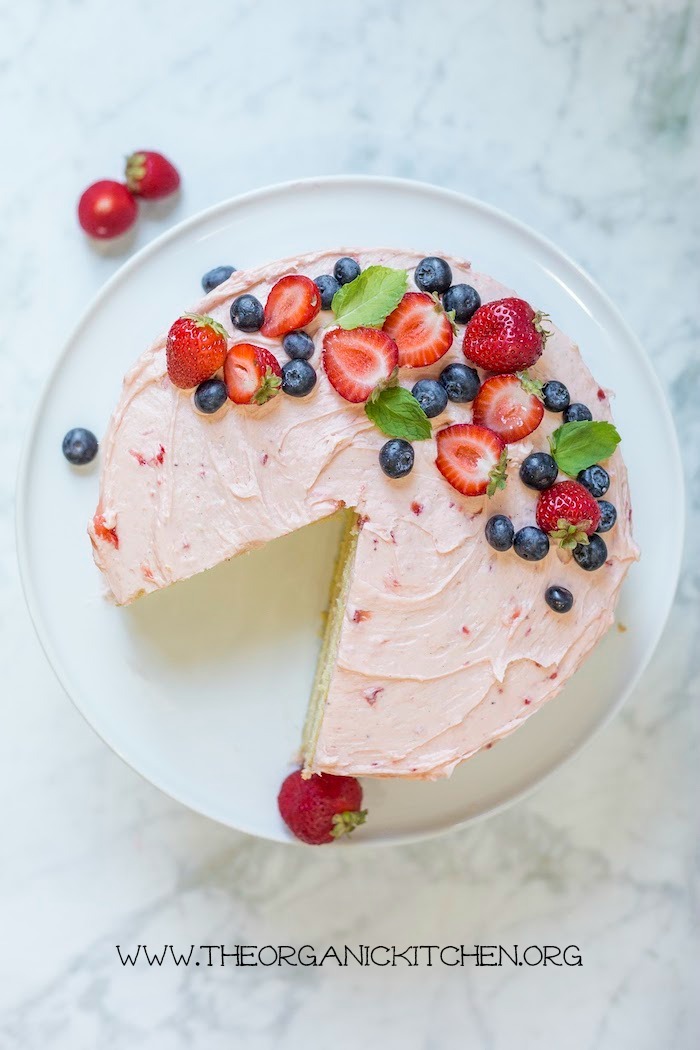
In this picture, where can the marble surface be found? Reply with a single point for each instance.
(580, 118)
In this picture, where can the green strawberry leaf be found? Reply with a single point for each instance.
(395, 411)
(578, 445)
(369, 299)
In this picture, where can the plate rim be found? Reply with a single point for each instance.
(350, 181)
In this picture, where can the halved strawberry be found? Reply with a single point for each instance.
(293, 302)
(252, 374)
(472, 458)
(421, 329)
(508, 406)
(359, 360)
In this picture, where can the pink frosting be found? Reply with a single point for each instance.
(446, 645)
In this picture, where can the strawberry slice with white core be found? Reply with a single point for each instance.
(292, 303)
(252, 374)
(421, 329)
(359, 360)
(508, 406)
(472, 458)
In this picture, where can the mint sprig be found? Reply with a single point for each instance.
(578, 445)
(395, 411)
(369, 299)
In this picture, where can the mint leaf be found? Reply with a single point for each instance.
(576, 446)
(397, 414)
(370, 298)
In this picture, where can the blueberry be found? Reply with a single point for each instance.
(577, 412)
(464, 300)
(213, 278)
(591, 555)
(433, 275)
(346, 270)
(210, 396)
(396, 458)
(247, 313)
(461, 382)
(298, 345)
(298, 378)
(608, 515)
(555, 396)
(531, 543)
(596, 479)
(499, 532)
(560, 599)
(538, 470)
(327, 286)
(80, 446)
(431, 396)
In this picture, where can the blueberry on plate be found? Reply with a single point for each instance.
(213, 278)
(433, 275)
(346, 270)
(499, 532)
(431, 396)
(396, 458)
(210, 396)
(327, 286)
(555, 396)
(298, 345)
(591, 555)
(80, 446)
(463, 299)
(596, 479)
(298, 377)
(608, 515)
(531, 543)
(560, 599)
(539, 471)
(461, 382)
(577, 413)
(247, 313)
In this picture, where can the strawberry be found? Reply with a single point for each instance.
(151, 175)
(508, 406)
(195, 349)
(505, 336)
(358, 361)
(420, 328)
(107, 209)
(322, 808)
(472, 458)
(568, 512)
(252, 374)
(293, 302)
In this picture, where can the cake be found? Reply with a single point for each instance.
(439, 640)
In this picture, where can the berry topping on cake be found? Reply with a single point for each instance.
(531, 543)
(538, 470)
(252, 374)
(555, 396)
(590, 556)
(298, 378)
(608, 516)
(292, 303)
(462, 301)
(568, 513)
(472, 458)
(577, 413)
(508, 405)
(151, 175)
(327, 286)
(499, 532)
(421, 329)
(322, 808)
(433, 274)
(346, 270)
(431, 396)
(396, 458)
(298, 345)
(247, 313)
(358, 360)
(210, 396)
(213, 278)
(596, 479)
(559, 599)
(505, 336)
(79, 446)
(461, 382)
(195, 349)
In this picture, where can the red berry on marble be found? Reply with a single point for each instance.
(505, 336)
(321, 808)
(505, 405)
(195, 349)
(569, 513)
(107, 209)
(359, 360)
(472, 458)
(252, 374)
(151, 175)
(420, 328)
(292, 303)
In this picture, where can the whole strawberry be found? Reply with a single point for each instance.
(505, 336)
(195, 350)
(569, 513)
(151, 175)
(322, 808)
(107, 209)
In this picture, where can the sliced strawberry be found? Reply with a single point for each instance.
(508, 406)
(292, 303)
(359, 360)
(472, 458)
(421, 329)
(252, 374)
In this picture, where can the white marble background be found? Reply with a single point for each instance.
(580, 118)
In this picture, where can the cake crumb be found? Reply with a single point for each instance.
(621, 628)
